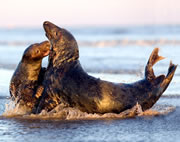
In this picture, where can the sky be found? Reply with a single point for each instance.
(17, 13)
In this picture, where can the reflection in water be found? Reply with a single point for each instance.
(140, 129)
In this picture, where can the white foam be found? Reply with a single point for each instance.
(69, 113)
(14, 109)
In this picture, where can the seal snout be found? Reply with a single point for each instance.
(46, 23)
(45, 48)
(51, 30)
(46, 53)
(46, 45)
(49, 26)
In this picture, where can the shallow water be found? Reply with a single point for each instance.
(113, 54)
(147, 128)
(103, 130)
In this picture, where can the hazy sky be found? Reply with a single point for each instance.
(89, 12)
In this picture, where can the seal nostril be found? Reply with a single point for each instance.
(46, 22)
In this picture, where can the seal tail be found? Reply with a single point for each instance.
(153, 59)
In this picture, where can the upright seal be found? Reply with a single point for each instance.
(29, 75)
(66, 82)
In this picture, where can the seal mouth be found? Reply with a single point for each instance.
(45, 48)
(46, 53)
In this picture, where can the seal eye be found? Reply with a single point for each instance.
(37, 51)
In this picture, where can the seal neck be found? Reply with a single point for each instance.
(30, 69)
(62, 58)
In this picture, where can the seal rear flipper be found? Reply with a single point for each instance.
(171, 69)
(161, 83)
(155, 94)
(158, 80)
(154, 58)
(169, 76)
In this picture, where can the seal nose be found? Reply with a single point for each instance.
(45, 43)
(46, 26)
(46, 23)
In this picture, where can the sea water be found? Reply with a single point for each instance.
(117, 54)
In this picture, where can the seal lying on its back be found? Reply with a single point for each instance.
(68, 84)
(29, 74)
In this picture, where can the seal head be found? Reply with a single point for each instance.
(64, 46)
(37, 51)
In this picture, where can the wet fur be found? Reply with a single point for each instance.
(68, 84)
(28, 75)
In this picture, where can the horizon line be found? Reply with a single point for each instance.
(89, 25)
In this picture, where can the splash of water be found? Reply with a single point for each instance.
(15, 109)
(69, 113)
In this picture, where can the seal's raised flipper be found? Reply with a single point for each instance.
(159, 79)
(154, 58)
(161, 82)
(169, 76)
